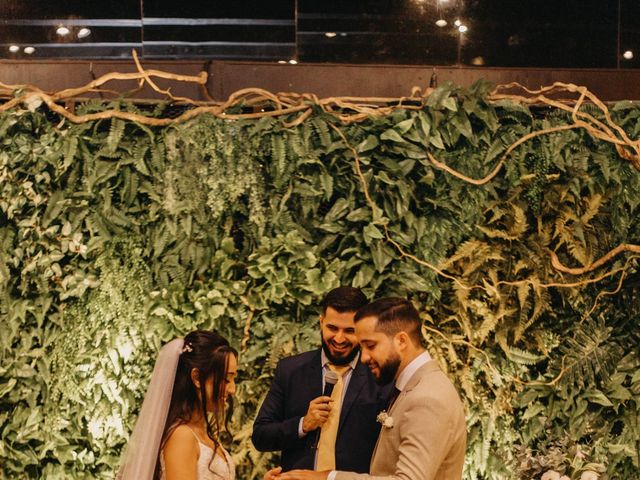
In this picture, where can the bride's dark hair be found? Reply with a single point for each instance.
(207, 352)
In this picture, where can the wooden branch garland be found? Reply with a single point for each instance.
(625, 247)
(612, 292)
(581, 283)
(500, 164)
(147, 78)
(608, 128)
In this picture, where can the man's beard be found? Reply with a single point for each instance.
(347, 359)
(388, 370)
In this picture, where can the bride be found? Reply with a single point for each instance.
(177, 433)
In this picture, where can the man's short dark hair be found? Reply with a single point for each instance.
(344, 299)
(394, 315)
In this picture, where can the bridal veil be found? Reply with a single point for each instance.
(141, 454)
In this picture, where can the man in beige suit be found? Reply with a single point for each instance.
(423, 435)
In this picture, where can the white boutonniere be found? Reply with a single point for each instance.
(384, 418)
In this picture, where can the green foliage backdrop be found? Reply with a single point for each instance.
(115, 237)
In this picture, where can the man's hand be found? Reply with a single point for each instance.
(272, 474)
(317, 414)
(303, 475)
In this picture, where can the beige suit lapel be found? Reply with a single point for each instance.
(423, 371)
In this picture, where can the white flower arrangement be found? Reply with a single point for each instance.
(553, 475)
(385, 419)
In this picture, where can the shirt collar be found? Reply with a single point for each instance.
(410, 369)
(325, 360)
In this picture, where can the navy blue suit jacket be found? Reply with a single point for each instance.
(297, 381)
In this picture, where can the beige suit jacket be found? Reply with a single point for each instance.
(428, 438)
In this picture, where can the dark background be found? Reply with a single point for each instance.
(501, 33)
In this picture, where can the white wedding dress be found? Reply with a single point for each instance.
(220, 469)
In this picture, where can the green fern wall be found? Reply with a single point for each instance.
(115, 237)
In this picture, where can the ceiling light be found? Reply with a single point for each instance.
(14, 48)
(29, 50)
(457, 23)
(293, 61)
(84, 32)
(330, 34)
(628, 55)
(441, 23)
(62, 30)
(282, 61)
(462, 28)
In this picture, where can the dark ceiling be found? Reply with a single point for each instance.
(500, 33)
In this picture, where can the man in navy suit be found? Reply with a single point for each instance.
(295, 410)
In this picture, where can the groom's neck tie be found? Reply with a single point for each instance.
(393, 398)
(328, 434)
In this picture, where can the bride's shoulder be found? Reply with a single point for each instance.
(181, 441)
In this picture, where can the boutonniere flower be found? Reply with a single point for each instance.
(385, 419)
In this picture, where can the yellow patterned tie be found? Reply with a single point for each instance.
(329, 432)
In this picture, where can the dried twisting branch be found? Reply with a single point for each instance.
(625, 247)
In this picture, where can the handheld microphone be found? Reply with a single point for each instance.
(330, 380)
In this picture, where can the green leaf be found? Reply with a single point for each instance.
(596, 396)
(363, 276)
(404, 126)
(393, 136)
(371, 232)
(380, 256)
(450, 104)
(436, 141)
(370, 143)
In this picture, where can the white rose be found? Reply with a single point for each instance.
(384, 419)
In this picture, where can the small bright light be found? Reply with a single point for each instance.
(29, 50)
(628, 55)
(441, 23)
(84, 32)
(282, 61)
(14, 48)
(477, 61)
(330, 34)
(457, 23)
(343, 34)
(293, 61)
(62, 31)
(462, 28)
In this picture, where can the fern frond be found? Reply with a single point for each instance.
(522, 357)
(593, 204)
(322, 132)
(116, 131)
(589, 355)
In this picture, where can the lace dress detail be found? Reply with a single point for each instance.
(219, 469)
